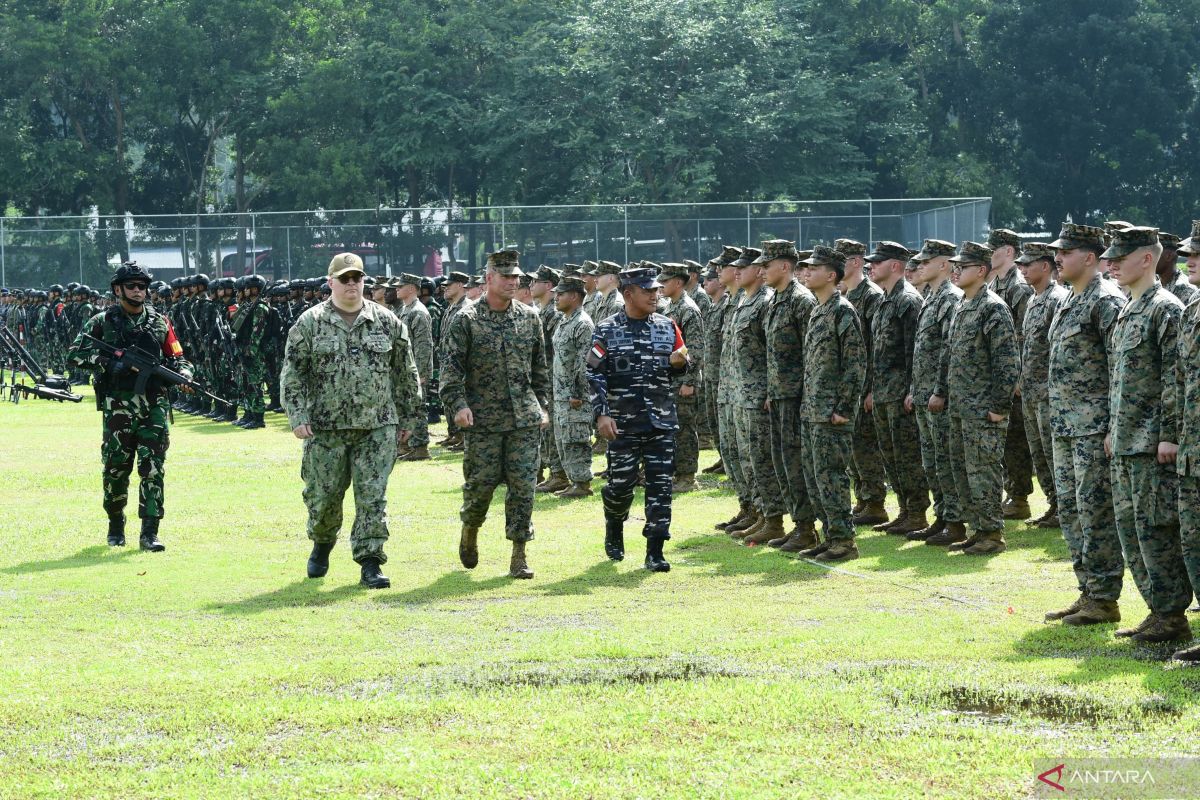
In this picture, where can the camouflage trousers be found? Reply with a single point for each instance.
(687, 439)
(731, 457)
(420, 429)
(135, 428)
(1083, 486)
(866, 467)
(706, 428)
(494, 457)
(900, 446)
(1041, 445)
(551, 458)
(1018, 464)
(656, 452)
(977, 458)
(253, 375)
(334, 459)
(1189, 526)
(827, 454)
(935, 459)
(1146, 503)
(712, 415)
(787, 454)
(753, 432)
(573, 448)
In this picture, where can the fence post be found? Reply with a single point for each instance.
(79, 242)
(287, 231)
(748, 242)
(625, 210)
(698, 237)
(870, 222)
(503, 236)
(253, 244)
(597, 241)
(3, 280)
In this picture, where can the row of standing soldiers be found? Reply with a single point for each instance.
(46, 321)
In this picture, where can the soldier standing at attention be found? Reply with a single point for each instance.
(893, 334)
(541, 291)
(609, 300)
(635, 353)
(1187, 462)
(135, 425)
(1015, 292)
(927, 395)
(572, 416)
(1143, 435)
(714, 318)
(416, 318)
(683, 311)
(1077, 384)
(728, 398)
(1169, 275)
(866, 467)
(496, 383)
(351, 392)
(1036, 264)
(455, 293)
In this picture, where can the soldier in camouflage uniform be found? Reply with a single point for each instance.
(1035, 264)
(135, 425)
(893, 332)
(572, 415)
(1015, 292)
(1187, 462)
(835, 370)
(251, 330)
(496, 382)
(1169, 275)
(867, 465)
(695, 290)
(687, 387)
(635, 355)
(420, 333)
(455, 293)
(351, 392)
(714, 319)
(541, 290)
(928, 392)
(1144, 434)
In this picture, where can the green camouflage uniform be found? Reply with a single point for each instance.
(1179, 286)
(687, 318)
(1035, 396)
(572, 426)
(551, 458)
(1187, 463)
(714, 317)
(135, 426)
(1018, 463)
(866, 466)
(729, 403)
(416, 318)
(250, 330)
(748, 338)
(496, 366)
(354, 385)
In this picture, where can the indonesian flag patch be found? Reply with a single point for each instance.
(596, 355)
(171, 347)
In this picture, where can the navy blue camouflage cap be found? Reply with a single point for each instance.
(973, 253)
(1073, 236)
(999, 237)
(505, 262)
(935, 248)
(886, 251)
(644, 277)
(1035, 251)
(1128, 240)
(1191, 245)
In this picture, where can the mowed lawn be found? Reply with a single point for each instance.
(217, 669)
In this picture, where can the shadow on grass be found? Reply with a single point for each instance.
(304, 593)
(457, 583)
(726, 558)
(601, 575)
(897, 554)
(87, 557)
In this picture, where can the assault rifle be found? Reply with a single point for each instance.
(147, 366)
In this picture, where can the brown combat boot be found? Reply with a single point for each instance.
(1052, 616)
(1015, 508)
(858, 508)
(684, 484)
(715, 469)
(913, 521)
(555, 483)
(772, 528)
(883, 526)
(1189, 655)
(737, 518)
(802, 538)
(934, 529)
(955, 532)
(417, 454)
(756, 522)
(1094, 612)
(468, 546)
(844, 550)
(815, 550)
(576, 489)
(600, 447)
(871, 514)
(1123, 633)
(517, 566)
(989, 543)
(1165, 628)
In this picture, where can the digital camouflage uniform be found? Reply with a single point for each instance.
(354, 385)
(1018, 464)
(551, 318)
(250, 327)
(867, 464)
(713, 317)
(573, 426)
(1179, 286)
(1187, 463)
(728, 404)
(1035, 397)
(686, 316)
(748, 338)
(134, 426)
(448, 316)
(420, 333)
(495, 364)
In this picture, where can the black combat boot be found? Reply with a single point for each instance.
(318, 559)
(245, 420)
(256, 421)
(116, 531)
(372, 578)
(654, 555)
(149, 538)
(614, 539)
(228, 414)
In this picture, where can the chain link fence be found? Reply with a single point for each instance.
(40, 251)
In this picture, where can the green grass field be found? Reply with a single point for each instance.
(218, 670)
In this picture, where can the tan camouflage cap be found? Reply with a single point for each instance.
(777, 248)
(608, 268)
(407, 279)
(935, 248)
(344, 263)
(1191, 245)
(748, 256)
(672, 269)
(458, 277)
(1035, 251)
(1128, 240)
(885, 251)
(571, 283)
(547, 274)
(999, 237)
(1072, 236)
(1169, 241)
(823, 256)
(973, 253)
(505, 262)
(850, 247)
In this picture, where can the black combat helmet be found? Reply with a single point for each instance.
(131, 271)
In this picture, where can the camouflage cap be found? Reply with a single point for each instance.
(589, 268)
(935, 248)
(1128, 240)
(476, 281)
(749, 256)
(1035, 251)
(801, 255)
(729, 254)
(999, 237)
(713, 273)
(777, 248)
(694, 266)
(408, 279)
(547, 274)
(644, 277)
(672, 269)
(505, 262)
(571, 283)
(1169, 241)
(973, 253)
(1191, 245)
(1116, 225)
(654, 265)
(458, 277)
(850, 247)
(570, 268)
(526, 280)
(608, 268)
(885, 251)
(344, 263)
(823, 256)
(1072, 236)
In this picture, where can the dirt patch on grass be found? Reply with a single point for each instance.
(1058, 706)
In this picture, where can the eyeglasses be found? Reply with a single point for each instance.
(355, 277)
(141, 287)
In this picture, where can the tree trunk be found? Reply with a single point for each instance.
(121, 179)
(239, 193)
